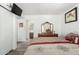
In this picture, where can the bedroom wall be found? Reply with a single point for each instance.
(7, 31)
(70, 27)
(37, 20)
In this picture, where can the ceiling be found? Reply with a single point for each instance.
(45, 8)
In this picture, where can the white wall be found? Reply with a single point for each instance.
(7, 34)
(70, 27)
(15, 31)
(37, 20)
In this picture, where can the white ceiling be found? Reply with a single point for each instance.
(45, 8)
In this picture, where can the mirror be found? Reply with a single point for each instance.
(47, 27)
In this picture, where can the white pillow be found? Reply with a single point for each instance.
(76, 39)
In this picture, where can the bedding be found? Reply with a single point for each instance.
(70, 36)
(73, 38)
(49, 39)
(51, 46)
(53, 49)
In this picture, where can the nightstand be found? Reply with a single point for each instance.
(31, 35)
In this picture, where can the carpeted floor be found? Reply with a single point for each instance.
(21, 48)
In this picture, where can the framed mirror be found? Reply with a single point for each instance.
(47, 27)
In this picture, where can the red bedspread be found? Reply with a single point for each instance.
(37, 43)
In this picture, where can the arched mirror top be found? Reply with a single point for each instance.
(47, 27)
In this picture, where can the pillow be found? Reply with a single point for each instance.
(76, 40)
(71, 37)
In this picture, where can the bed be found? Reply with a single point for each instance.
(51, 46)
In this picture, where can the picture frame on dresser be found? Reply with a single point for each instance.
(71, 16)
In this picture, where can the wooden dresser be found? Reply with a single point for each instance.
(47, 35)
